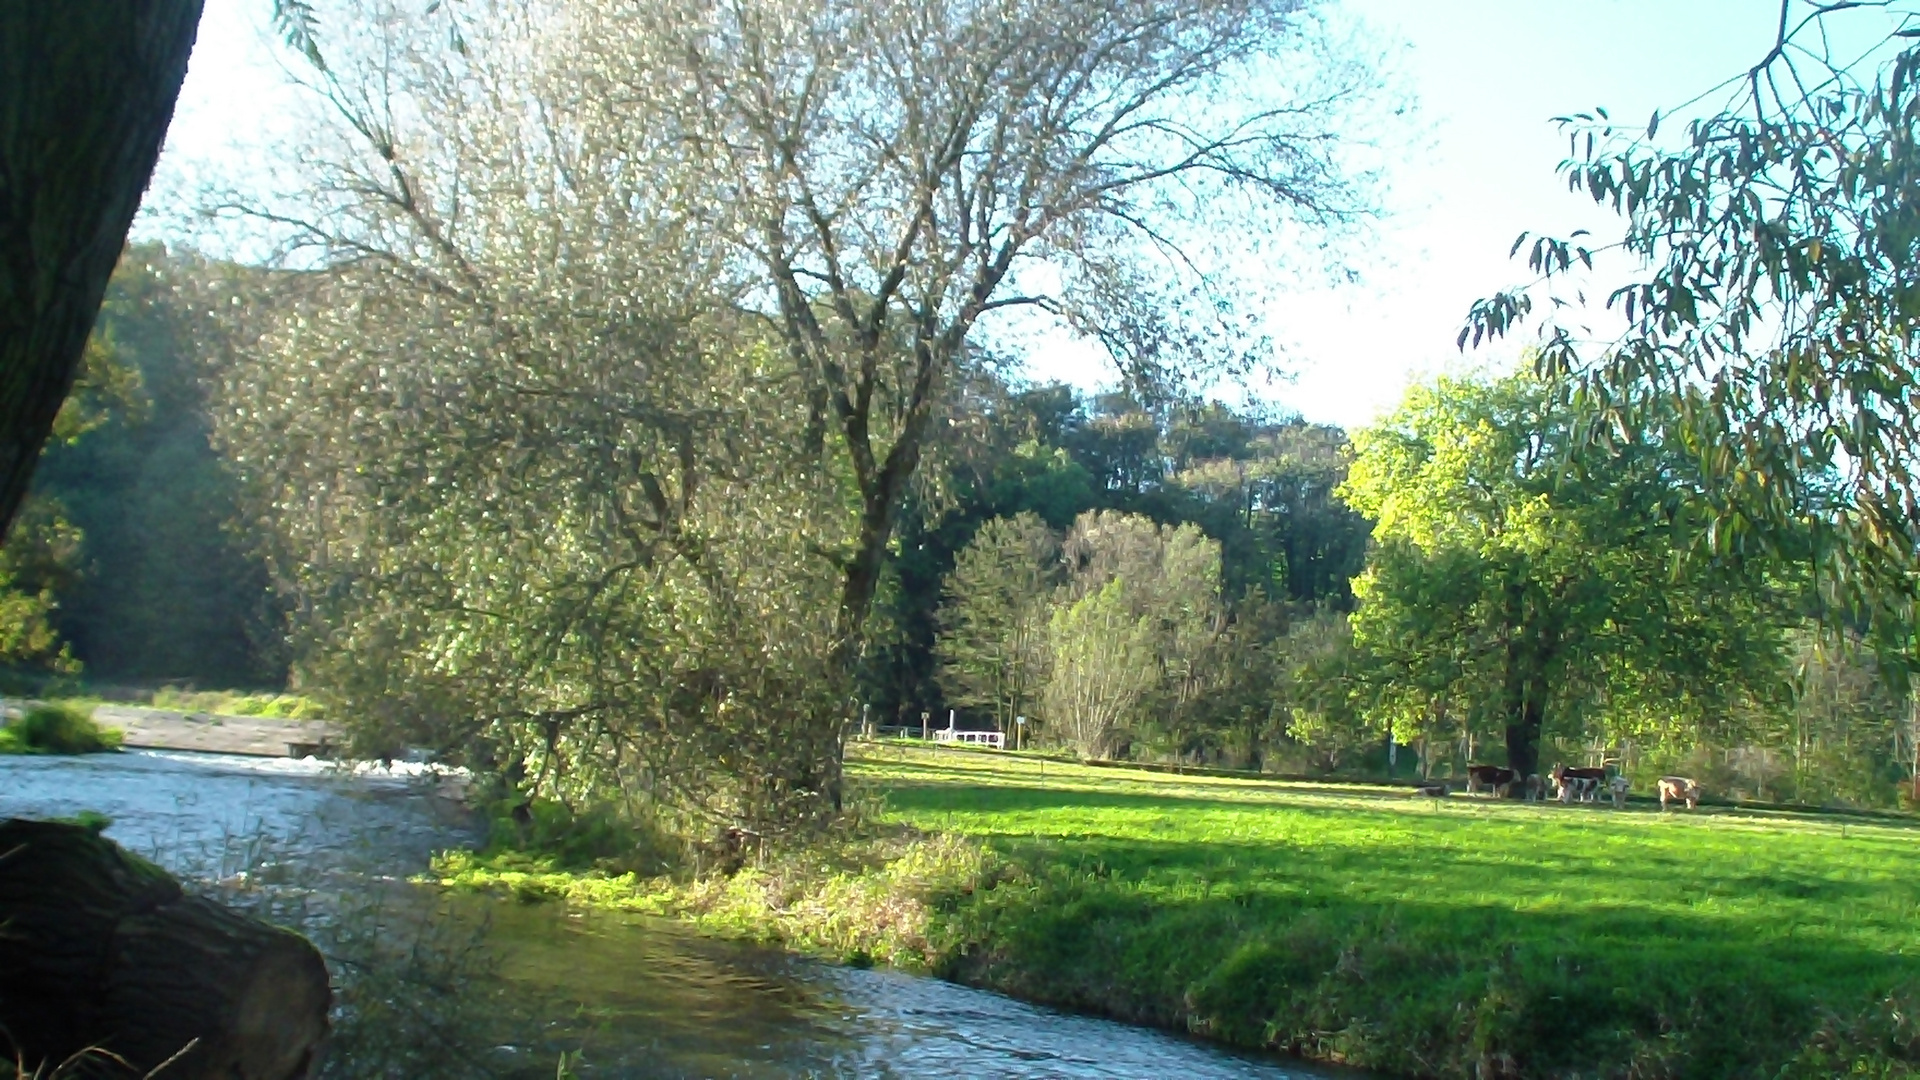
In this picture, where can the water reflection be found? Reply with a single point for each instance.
(636, 998)
(650, 1000)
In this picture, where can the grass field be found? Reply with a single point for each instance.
(1464, 938)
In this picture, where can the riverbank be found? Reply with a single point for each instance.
(1464, 938)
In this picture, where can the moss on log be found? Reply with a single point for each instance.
(102, 949)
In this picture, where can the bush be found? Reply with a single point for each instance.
(57, 729)
(604, 838)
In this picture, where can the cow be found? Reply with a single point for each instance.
(1567, 781)
(1579, 788)
(1535, 788)
(1679, 788)
(1491, 776)
(1618, 787)
(1433, 791)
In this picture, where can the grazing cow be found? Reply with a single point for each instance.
(1578, 789)
(1618, 787)
(1491, 776)
(1433, 791)
(1679, 788)
(1570, 781)
(1535, 788)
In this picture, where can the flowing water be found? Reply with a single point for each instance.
(633, 997)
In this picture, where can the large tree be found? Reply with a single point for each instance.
(1518, 570)
(528, 467)
(544, 257)
(88, 89)
(897, 173)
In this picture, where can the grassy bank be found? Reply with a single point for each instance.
(1462, 939)
(57, 728)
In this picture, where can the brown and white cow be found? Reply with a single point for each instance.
(1679, 789)
(1571, 781)
(1498, 778)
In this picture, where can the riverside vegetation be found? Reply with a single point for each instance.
(57, 728)
(1344, 923)
(629, 455)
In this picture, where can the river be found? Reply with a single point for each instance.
(631, 997)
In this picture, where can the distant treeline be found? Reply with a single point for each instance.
(137, 540)
(1138, 575)
(1259, 485)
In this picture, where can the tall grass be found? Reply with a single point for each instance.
(57, 728)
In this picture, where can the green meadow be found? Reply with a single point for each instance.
(1459, 937)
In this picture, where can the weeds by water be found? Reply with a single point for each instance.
(57, 728)
(239, 703)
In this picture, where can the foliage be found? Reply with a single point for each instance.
(1260, 485)
(152, 577)
(1521, 574)
(1102, 661)
(1322, 717)
(1845, 740)
(1113, 632)
(541, 514)
(1770, 331)
(897, 176)
(37, 565)
(57, 729)
(856, 184)
(228, 703)
(1164, 586)
(993, 644)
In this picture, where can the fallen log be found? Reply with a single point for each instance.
(102, 950)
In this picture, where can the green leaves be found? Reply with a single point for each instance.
(299, 27)
(1522, 569)
(1775, 318)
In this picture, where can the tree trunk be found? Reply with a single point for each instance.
(104, 951)
(1526, 714)
(1523, 742)
(88, 88)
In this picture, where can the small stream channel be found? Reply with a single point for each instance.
(635, 997)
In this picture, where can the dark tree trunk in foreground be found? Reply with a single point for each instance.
(99, 950)
(103, 950)
(86, 90)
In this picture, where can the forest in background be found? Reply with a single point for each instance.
(1210, 551)
(632, 410)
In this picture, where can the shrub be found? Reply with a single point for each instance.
(57, 729)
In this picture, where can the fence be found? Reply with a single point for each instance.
(973, 738)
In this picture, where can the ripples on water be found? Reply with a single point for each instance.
(636, 997)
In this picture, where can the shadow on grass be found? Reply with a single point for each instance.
(1428, 941)
(1293, 957)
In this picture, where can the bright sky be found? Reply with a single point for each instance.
(1488, 76)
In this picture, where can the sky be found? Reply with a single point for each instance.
(1475, 168)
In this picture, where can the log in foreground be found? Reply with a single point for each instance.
(102, 949)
